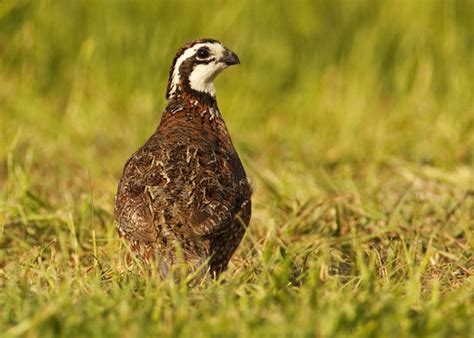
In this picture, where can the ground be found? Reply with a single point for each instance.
(355, 121)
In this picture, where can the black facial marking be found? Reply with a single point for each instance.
(204, 62)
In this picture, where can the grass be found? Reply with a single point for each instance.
(355, 121)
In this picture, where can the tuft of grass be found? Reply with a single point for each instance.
(355, 122)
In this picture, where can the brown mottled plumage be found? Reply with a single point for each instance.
(185, 191)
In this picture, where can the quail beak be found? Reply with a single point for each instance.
(230, 58)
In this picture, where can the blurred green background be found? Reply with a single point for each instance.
(321, 82)
(350, 117)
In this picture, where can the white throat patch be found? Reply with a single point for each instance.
(202, 76)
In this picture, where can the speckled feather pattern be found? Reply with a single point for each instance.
(185, 190)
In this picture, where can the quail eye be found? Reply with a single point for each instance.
(202, 53)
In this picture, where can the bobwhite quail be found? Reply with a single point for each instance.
(184, 195)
